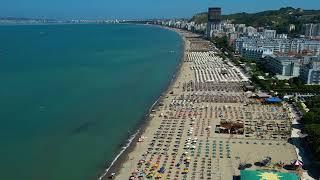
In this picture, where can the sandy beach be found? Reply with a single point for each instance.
(205, 126)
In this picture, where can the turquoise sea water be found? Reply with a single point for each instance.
(69, 94)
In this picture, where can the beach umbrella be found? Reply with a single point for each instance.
(297, 163)
(155, 165)
(136, 171)
(159, 176)
(185, 170)
(150, 175)
(162, 170)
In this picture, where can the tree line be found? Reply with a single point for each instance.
(311, 121)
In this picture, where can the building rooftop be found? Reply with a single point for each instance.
(273, 100)
(286, 58)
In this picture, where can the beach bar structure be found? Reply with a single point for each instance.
(273, 100)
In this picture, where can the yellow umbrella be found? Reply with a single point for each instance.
(159, 176)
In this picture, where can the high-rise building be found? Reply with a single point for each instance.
(241, 28)
(281, 44)
(311, 29)
(269, 34)
(291, 27)
(283, 65)
(251, 31)
(256, 54)
(214, 20)
(232, 38)
(310, 73)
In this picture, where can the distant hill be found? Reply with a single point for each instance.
(17, 19)
(277, 19)
(23, 19)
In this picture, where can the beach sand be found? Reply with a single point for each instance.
(185, 136)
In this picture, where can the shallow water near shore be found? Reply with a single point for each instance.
(71, 94)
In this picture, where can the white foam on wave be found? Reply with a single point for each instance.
(123, 149)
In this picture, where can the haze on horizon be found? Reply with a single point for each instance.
(130, 9)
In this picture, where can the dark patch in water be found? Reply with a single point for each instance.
(100, 50)
(43, 34)
(83, 127)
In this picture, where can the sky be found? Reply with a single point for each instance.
(135, 9)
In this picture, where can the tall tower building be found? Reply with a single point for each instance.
(214, 20)
(311, 29)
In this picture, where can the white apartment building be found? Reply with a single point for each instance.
(311, 29)
(310, 73)
(283, 65)
(282, 45)
(269, 34)
(250, 31)
(256, 53)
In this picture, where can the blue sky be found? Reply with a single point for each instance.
(131, 9)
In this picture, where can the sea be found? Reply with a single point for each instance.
(72, 95)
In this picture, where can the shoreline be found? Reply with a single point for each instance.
(205, 108)
(131, 142)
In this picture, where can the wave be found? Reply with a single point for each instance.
(123, 149)
(129, 141)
